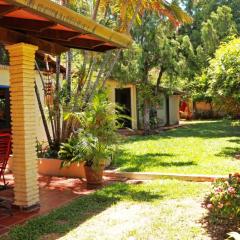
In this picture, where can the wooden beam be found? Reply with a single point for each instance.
(53, 34)
(79, 43)
(11, 37)
(88, 47)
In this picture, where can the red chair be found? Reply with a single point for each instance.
(5, 149)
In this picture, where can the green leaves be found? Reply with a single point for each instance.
(95, 139)
(224, 70)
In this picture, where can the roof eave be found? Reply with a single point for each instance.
(73, 20)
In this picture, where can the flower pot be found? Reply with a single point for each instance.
(94, 177)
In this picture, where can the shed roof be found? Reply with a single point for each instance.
(49, 22)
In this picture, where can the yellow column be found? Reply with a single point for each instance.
(22, 96)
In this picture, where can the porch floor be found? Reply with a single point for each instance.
(54, 193)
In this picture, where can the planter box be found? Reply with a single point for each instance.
(52, 167)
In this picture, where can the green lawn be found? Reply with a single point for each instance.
(202, 147)
(166, 209)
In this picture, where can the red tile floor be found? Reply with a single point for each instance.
(54, 193)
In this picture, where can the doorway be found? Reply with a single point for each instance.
(4, 110)
(123, 98)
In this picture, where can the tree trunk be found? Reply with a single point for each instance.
(57, 104)
(95, 12)
(44, 120)
(48, 107)
(146, 116)
(139, 3)
(146, 103)
(69, 76)
(117, 55)
(99, 76)
(159, 81)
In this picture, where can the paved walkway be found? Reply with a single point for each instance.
(54, 193)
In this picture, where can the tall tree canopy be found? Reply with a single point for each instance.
(224, 70)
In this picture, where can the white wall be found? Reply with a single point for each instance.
(174, 109)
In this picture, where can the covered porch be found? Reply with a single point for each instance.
(27, 27)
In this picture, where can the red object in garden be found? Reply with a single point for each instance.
(183, 106)
(184, 110)
(5, 149)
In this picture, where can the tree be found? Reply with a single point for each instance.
(124, 13)
(213, 24)
(224, 69)
(202, 10)
(158, 50)
(95, 69)
(217, 29)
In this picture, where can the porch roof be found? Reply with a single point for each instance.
(54, 28)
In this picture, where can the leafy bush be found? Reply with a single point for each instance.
(224, 69)
(44, 151)
(96, 139)
(224, 200)
(86, 148)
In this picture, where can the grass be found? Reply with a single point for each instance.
(202, 147)
(166, 209)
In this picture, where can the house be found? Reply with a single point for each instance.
(166, 113)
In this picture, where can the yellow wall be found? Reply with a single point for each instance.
(112, 85)
(203, 106)
(4, 80)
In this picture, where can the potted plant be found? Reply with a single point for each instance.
(49, 163)
(94, 143)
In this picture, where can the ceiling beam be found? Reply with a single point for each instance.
(78, 43)
(11, 37)
(53, 34)
(92, 47)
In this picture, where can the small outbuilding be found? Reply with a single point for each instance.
(165, 113)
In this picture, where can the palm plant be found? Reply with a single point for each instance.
(94, 142)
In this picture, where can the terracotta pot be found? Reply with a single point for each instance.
(92, 176)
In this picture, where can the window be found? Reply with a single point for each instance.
(4, 109)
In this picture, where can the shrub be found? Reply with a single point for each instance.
(96, 140)
(224, 200)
